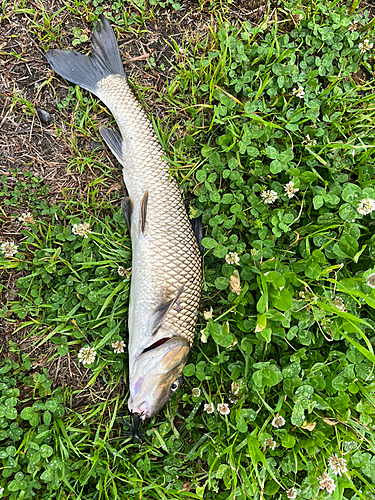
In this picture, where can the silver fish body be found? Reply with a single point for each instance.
(166, 262)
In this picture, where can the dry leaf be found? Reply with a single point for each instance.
(116, 186)
(310, 427)
(208, 314)
(330, 421)
(234, 283)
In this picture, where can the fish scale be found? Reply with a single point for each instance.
(172, 246)
(166, 261)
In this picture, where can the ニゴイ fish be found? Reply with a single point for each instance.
(166, 261)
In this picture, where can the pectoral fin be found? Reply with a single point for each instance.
(113, 141)
(175, 356)
(162, 311)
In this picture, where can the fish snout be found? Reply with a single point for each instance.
(144, 408)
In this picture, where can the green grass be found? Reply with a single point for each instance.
(291, 332)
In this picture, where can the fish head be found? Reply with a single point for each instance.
(156, 374)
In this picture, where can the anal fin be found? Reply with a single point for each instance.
(127, 209)
(162, 311)
(113, 141)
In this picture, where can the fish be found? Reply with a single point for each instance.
(166, 275)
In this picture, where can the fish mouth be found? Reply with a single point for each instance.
(143, 410)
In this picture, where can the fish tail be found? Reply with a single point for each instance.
(88, 71)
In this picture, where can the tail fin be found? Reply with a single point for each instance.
(88, 71)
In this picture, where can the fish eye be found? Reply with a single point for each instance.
(175, 385)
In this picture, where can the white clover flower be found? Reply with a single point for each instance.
(291, 493)
(290, 190)
(1, 490)
(209, 408)
(365, 46)
(223, 408)
(118, 346)
(370, 281)
(299, 92)
(253, 252)
(81, 229)
(27, 218)
(8, 248)
(87, 355)
(196, 392)
(269, 196)
(366, 206)
(278, 421)
(308, 141)
(339, 303)
(235, 388)
(203, 338)
(326, 482)
(270, 443)
(337, 465)
(121, 271)
(353, 25)
(232, 258)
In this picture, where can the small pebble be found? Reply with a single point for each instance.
(44, 116)
(96, 146)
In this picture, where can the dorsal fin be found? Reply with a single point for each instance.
(114, 142)
(127, 209)
(161, 312)
(144, 211)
